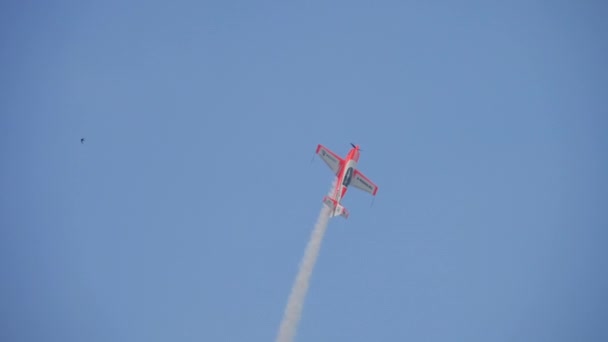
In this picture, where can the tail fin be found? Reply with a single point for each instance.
(336, 208)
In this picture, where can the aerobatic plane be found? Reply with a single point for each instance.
(346, 171)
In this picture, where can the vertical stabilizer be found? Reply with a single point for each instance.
(336, 208)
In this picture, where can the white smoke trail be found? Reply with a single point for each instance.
(295, 303)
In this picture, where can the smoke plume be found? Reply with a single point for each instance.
(295, 303)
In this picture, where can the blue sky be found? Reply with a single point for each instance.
(185, 214)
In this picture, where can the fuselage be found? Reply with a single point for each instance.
(345, 173)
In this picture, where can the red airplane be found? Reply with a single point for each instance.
(347, 173)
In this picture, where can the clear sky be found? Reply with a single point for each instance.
(185, 213)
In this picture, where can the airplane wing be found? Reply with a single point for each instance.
(361, 182)
(331, 159)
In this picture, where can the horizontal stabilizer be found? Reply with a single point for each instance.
(336, 208)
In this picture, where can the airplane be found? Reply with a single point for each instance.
(348, 174)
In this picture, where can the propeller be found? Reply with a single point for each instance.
(353, 145)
